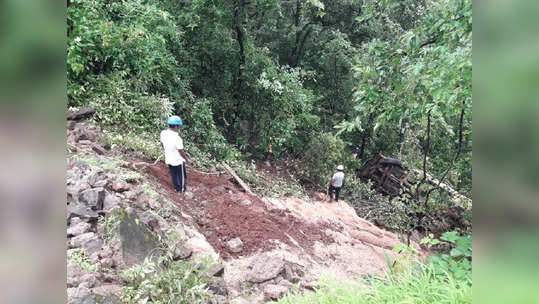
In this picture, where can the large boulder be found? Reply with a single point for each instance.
(93, 198)
(137, 241)
(264, 268)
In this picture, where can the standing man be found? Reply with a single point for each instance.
(336, 183)
(175, 157)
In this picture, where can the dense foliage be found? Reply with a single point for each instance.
(303, 81)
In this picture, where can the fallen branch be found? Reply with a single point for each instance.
(237, 178)
(134, 165)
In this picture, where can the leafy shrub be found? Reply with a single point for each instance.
(144, 144)
(324, 153)
(165, 281)
(201, 130)
(118, 104)
(456, 255)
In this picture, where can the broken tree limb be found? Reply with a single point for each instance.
(457, 198)
(237, 178)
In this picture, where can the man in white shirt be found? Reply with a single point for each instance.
(336, 183)
(175, 157)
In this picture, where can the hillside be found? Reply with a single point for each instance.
(282, 241)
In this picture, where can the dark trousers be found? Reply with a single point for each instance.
(337, 191)
(179, 177)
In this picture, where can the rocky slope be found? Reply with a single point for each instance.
(121, 210)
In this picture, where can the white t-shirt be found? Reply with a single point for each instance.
(338, 177)
(172, 142)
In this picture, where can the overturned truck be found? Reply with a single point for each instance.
(390, 176)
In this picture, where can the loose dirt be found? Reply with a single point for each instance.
(222, 211)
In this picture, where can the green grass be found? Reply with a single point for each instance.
(415, 286)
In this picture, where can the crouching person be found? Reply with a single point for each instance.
(336, 183)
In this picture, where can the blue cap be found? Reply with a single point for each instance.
(174, 121)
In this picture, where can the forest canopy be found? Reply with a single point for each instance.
(299, 76)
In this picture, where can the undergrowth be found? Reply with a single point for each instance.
(166, 281)
(444, 278)
(147, 145)
(418, 285)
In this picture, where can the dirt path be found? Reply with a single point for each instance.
(222, 211)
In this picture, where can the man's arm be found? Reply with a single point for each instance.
(184, 155)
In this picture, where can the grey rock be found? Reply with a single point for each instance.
(218, 288)
(119, 186)
(98, 299)
(82, 112)
(137, 241)
(94, 257)
(142, 201)
(78, 229)
(240, 300)
(73, 191)
(89, 241)
(70, 125)
(131, 195)
(93, 198)
(107, 263)
(73, 276)
(274, 292)
(189, 195)
(77, 294)
(74, 221)
(98, 149)
(101, 183)
(264, 268)
(79, 210)
(89, 280)
(291, 274)
(95, 176)
(108, 289)
(216, 270)
(235, 245)
(106, 252)
(181, 252)
(110, 202)
(81, 165)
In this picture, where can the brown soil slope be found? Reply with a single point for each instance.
(222, 211)
(325, 237)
